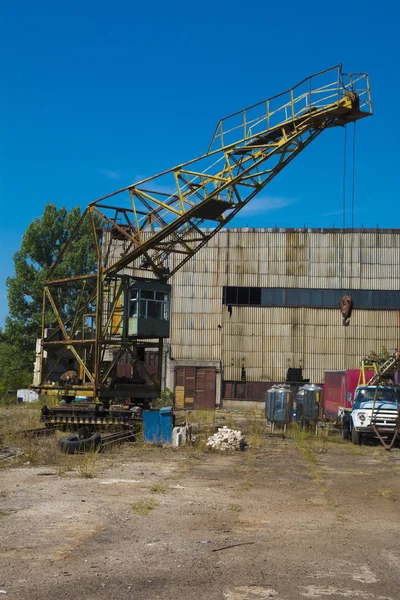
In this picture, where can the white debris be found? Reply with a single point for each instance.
(226, 439)
(179, 436)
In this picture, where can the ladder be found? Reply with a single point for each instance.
(379, 373)
(383, 370)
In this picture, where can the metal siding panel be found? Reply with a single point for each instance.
(269, 338)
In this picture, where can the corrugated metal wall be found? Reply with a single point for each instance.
(272, 339)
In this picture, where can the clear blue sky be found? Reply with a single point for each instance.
(95, 95)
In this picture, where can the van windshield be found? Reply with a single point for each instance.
(369, 394)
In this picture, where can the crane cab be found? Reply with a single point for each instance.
(148, 309)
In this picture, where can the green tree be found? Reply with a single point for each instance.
(15, 370)
(41, 244)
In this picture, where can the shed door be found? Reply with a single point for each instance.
(199, 384)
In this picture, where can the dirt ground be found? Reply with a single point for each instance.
(320, 522)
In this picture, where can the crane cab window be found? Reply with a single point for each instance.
(152, 304)
(133, 304)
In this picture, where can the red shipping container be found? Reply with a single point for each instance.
(339, 388)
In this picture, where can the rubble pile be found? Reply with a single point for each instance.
(226, 439)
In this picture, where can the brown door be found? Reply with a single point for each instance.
(198, 384)
(205, 388)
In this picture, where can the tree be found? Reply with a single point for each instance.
(15, 370)
(41, 244)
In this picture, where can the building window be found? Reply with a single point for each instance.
(307, 297)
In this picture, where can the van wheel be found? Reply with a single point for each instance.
(355, 437)
(345, 433)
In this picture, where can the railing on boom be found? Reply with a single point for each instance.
(315, 92)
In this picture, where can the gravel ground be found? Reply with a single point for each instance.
(299, 527)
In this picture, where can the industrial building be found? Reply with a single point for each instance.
(254, 303)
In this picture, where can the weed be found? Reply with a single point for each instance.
(245, 485)
(186, 466)
(31, 450)
(229, 421)
(235, 508)
(341, 517)
(143, 507)
(3, 514)
(202, 417)
(66, 464)
(158, 489)
(87, 465)
(199, 443)
(167, 398)
(310, 446)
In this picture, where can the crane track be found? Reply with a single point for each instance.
(106, 440)
(39, 432)
(116, 438)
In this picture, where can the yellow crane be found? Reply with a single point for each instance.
(144, 233)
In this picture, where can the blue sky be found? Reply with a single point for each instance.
(95, 95)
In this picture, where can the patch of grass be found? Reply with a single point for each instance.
(235, 508)
(254, 429)
(199, 446)
(83, 465)
(87, 465)
(159, 489)
(32, 450)
(3, 514)
(143, 507)
(66, 464)
(385, 494)
(310, 446)
(229, 421)
(341, 517)
(245, 485)
(203, 417)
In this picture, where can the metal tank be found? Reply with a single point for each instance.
(300, 404)
(270, 403)
(312, 401)
(279, 404)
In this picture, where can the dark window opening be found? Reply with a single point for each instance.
(308, 297)
(255, 296)
(230, 295)
(243, 295)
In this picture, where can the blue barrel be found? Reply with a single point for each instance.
(157, 425)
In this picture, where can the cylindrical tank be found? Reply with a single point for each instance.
(269, 403)
(300, 404)
(279, 404)
(312, 402)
